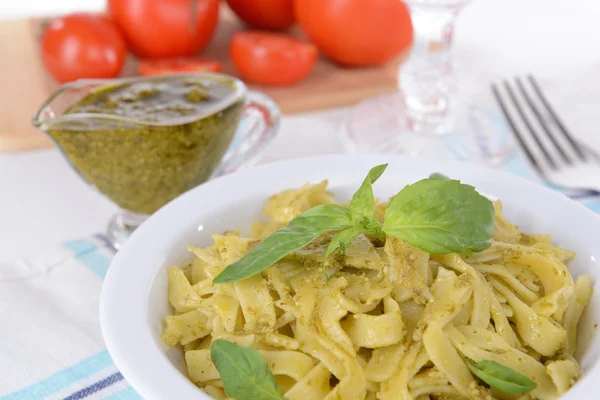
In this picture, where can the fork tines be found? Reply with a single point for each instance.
(538, 129)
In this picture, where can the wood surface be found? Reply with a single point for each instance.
(25, 85)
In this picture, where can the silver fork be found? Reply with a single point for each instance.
(545, 140)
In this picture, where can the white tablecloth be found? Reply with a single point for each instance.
(43, 202)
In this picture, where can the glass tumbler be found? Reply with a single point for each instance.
(426, 117)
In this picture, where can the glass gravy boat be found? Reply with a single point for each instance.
(141, 164)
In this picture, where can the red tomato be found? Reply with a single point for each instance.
(356, 32)
(163, 28)
(83, 46)
(265, 14)
(177, 65)
(272, 58)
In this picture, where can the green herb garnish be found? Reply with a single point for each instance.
(438, 176)
(441, 217)
(437, 215)
(302, 230)
(363, 201)
(500, 377)
(244, 372)
(341, 241)
(362, 213)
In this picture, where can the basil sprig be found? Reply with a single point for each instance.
(302, 230)
(437, 215)
(438, 176)
(341, 241)
(362, 212)
(501, 377)
(363, 200)
(244, 372)
(441, 217)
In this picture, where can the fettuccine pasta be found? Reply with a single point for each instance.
(392, 323)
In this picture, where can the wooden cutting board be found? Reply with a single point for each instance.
(25, 85)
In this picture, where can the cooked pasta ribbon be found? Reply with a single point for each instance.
(392, 323)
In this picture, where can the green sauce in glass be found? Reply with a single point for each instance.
(150, 140)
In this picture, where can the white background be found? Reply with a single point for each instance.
(42, 202)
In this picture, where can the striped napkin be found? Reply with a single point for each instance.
(51, 345)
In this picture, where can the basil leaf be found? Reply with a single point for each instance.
(437, 175)
(441, 217)
(244, 372)
(302, 230)
(372, 226)
(341, 241)
(363, 200)
(500, 377)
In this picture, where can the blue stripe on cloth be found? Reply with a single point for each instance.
(87, 253)
(63, 379)
(80, 246)
(104, 383)
(592, 205)
(126, 394)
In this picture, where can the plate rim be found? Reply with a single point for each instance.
(149, 381)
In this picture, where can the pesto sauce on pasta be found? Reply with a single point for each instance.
(393, 322)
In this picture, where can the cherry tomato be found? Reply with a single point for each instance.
(177, 65)
(265, 14)
(83, 46)
(165, 28)
(272, 58)
(356, 32)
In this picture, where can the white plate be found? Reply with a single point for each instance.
(134, 296)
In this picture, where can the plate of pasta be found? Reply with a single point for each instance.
(359, 277)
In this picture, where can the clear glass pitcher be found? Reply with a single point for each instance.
(141, 162)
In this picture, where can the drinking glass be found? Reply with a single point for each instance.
(425, 117)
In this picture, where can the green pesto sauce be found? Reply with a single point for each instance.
(158, 150)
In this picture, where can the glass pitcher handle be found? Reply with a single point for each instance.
(258, 126)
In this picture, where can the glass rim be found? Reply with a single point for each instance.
(38, 121)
